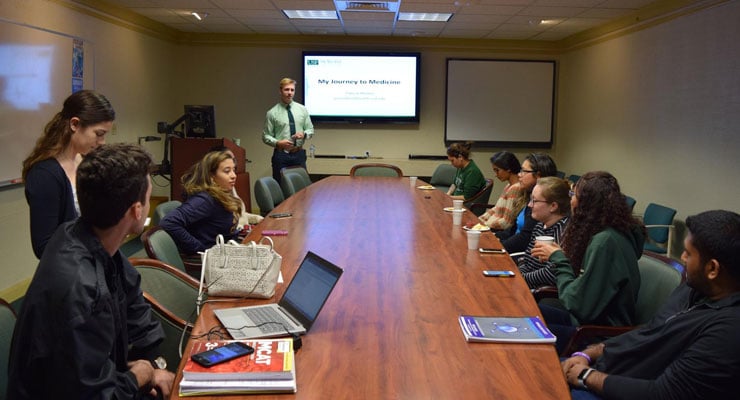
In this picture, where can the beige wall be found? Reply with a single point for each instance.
(658, 108)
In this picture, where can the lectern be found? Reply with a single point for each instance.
(188, 151)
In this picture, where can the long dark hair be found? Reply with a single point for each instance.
(507, 161)
(601, 205)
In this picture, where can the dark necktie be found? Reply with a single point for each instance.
(291, 122)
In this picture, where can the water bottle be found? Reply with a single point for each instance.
(311, 151)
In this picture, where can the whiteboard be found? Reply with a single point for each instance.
(35, 78)
(500, 102)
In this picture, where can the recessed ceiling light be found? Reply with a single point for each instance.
(426, 17)
(311, 14)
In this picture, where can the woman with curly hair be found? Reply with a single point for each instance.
(596, 269)
(50, 171)
(210, 209)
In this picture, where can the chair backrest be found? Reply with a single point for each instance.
(560, 174)
(443, 176)
(574, 178)
(159, 245)
(291, 183)
(172, 295)
(657, 281)
(656, 214)
(7, 325)
(482, 196)
(297, 169)
(375, 169)
(163, 209)
(268, 194)
(630, 202)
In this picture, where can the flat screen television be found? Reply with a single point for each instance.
(200, 121)
(361, 87)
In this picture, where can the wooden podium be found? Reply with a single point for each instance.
(188, 151)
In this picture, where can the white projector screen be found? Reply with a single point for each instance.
(500, 102)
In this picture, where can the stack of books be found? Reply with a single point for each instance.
(505, 329)
(270, 369)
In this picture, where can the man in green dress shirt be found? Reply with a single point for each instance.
(287, 126)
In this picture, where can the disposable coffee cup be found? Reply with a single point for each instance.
(457, 204)
(473, 239)
(544, 239)
(412, 179)
(457, 217)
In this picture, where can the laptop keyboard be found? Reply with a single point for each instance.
(262, 315)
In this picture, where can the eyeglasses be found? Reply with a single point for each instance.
(571, 193)
(527, 171)
(533, 201)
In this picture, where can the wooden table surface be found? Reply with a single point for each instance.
(389, 330)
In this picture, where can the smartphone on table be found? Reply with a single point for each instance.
(221, 354)
(498, 273)
(485, 250)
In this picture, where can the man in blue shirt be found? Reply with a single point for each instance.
(287, 126)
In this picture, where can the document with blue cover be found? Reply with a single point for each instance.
(505, 329)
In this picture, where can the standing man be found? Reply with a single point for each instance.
(690, 348)
(287, 126)
(84, 329)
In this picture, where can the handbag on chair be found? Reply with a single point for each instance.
(240, 270)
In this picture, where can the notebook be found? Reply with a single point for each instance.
(296, 311)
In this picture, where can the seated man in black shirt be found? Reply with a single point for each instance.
(84, 330)
(690, 348)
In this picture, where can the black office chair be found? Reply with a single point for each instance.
(482, 197)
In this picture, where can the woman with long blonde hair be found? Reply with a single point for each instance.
(210, 208)
(49, 172)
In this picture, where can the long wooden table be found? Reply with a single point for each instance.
(389, 329)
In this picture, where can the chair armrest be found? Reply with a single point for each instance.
(659, 226)
(543, 292)
(586, 334)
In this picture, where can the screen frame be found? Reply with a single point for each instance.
(362, 119)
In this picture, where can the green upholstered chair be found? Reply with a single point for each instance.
(291, 183)
(443, 177)
(297, 169)
(172, 295)
(268, 194)
(159, 245)
(7, 325)
(658, 221)
(574, 178)
(658, 278)
(630, 202)
(481, 197)
(375, 169)
(560, 174)
(163, 209)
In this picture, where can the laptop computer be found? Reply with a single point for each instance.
(296, 311)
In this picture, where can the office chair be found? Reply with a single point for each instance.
(560, 174)
(375, 169)
(291, 183)
(159, 245)
(7, 325)
(630, 202)
(482, 197)
(658, 278)
(658, 221)
(443, 177)
(163, 209)
(297, 169)
(268, 194)
(172, 296)
(574, 178)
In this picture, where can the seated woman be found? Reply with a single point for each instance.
(550, 205)
(246, 218)
(503, 215)
(535, 166)
(209, 208)
(468, 178)
(596, 269)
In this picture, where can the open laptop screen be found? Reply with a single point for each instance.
(310, 288)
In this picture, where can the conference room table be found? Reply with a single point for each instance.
(390, 328)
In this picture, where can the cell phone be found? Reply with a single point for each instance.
(281, 215)
(491, 251)
(221, 354)
(498, 273)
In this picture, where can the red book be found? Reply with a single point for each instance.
(272, 360)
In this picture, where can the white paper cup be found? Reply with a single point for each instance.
(457, 204)
(544, 239)
(457, 217)
(473, 239)
(412, 179)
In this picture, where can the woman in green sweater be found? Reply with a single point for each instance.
(468, 178)
(597, 274)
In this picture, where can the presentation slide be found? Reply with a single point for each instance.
(383, 86)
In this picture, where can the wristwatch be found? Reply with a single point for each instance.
(159, 363)
(583, 375)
